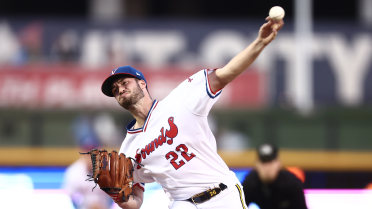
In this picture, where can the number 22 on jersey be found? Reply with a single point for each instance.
(173, 156)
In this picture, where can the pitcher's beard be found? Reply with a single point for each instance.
(136, 96)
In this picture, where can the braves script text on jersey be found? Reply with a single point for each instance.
(176, 146)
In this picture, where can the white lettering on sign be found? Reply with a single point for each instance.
(351, 62)
(219, 47)
(9, 45)
(157, 48)
(60, 92)
(16, 91)
(90, 95)
(94, 50)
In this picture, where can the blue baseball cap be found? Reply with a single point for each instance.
(124, 71)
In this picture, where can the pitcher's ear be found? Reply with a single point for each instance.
(143, 84)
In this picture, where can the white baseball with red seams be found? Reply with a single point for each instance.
(276, 13)
(176, 146)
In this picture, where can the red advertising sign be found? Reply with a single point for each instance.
(69, 87)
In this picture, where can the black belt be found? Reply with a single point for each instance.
(207, 195)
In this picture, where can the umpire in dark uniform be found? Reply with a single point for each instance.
(270, 186)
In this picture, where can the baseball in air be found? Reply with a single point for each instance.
(276, 13)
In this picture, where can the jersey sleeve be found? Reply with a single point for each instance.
(195, 93)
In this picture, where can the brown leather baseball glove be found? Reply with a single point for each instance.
(113, 173)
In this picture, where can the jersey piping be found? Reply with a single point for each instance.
(142, 129)
(210, 93)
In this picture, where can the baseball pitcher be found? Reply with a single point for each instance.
(170, 142)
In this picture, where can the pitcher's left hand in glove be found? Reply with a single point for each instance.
(113, 173)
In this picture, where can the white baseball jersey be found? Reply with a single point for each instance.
(176, 146)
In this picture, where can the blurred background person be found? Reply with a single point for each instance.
(83, 193)
(270, 186)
